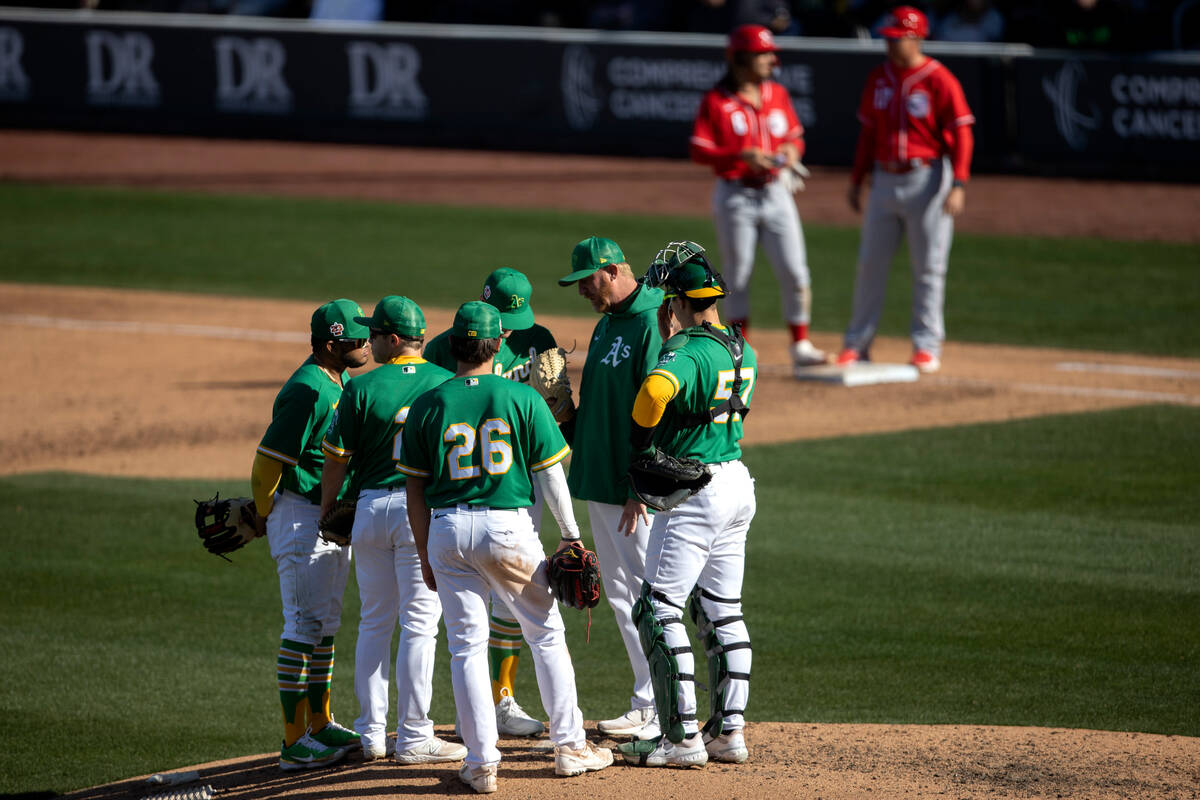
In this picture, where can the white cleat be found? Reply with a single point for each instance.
(481, 779)
(589, 758)
(663, 752)
(728, 747)
(511, 719)
(432, 751)
(631, 723)
(806, 354)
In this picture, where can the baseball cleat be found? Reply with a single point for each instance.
(925, 361)
(589, 758)
(847, 357)
(334, 735)
(431, 751)
(481, 779)
(728, 747)
(806, 354)
(373, 751)
(662, 752)
(307, 753)
(511, 719)
(631, 723)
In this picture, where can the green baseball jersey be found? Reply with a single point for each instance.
(299, 418)
(623, 350)
(476, 439)
(512, 362)
(701, 369)
(369, 419)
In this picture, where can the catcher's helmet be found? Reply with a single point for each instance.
(905, 22)
(681, 269)
(750, 39)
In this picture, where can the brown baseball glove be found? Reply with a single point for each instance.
(225, 525)
(336, 526)
(548, 375)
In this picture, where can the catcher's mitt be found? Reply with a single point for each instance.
(336, 526)
(548, 375)
(225, 525)
(793, 177)
(662, 481)
(574, 576)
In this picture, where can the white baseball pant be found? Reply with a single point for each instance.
(312, 572)
(909, 205)
(743, 217)
(622, 563)
(702, 542)
(475, 550)
(390, 586)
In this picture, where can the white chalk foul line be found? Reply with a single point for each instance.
(1081, 391)
(160, 328)
(1128, 369)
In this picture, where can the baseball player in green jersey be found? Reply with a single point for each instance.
(623, 349)
(364, 437)
(470, 447)
(691, 406)
(510, 292)
(286, 483)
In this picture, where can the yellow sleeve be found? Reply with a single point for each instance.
(264, 480)
(657, 390)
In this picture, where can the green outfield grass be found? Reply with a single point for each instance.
(1044, 572)
(1077, 293)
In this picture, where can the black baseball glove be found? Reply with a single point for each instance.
(662, 481)
(338, 524)
(574, 576)
(225, 525)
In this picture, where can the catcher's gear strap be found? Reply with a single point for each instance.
(663, 660)
(722, 636)
(735, 343)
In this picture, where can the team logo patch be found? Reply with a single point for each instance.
(337, 329)
(917, 104)
(408, 370)
(738, 120)
(487, 292)
(777, 123)
(472, 382)
(667, 358)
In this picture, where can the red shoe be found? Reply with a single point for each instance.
(925, 361)
(847, 357)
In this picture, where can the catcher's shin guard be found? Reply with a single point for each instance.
(664, 661)
(720, 627)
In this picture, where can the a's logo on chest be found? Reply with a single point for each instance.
(617, 353)
(917, 104)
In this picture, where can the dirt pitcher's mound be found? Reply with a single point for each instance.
(831, 762)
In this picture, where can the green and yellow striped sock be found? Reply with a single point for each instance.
(291, 673)
(320, 678)
(504, 648)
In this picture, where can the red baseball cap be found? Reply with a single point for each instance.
(751, 39)
(905, 21)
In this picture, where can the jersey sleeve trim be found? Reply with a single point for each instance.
(335, 453)
(413, 471)
(552, 460)
(278, 456)
(663, 373)
(968, 119)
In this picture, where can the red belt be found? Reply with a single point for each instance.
(902, 167)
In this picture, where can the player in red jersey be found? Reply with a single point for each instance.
(916, 132)
(747, 131)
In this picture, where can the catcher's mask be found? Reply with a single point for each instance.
(681, 269)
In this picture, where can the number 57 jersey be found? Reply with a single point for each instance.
(476, 440)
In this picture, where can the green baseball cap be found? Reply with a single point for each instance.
(590, 255)
(395, 314)
(339, 320)
(477, 320)
(510, 291)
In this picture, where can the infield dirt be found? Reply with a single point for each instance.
(129, 404)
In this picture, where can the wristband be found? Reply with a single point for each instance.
(576, 539)
(959, 184)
